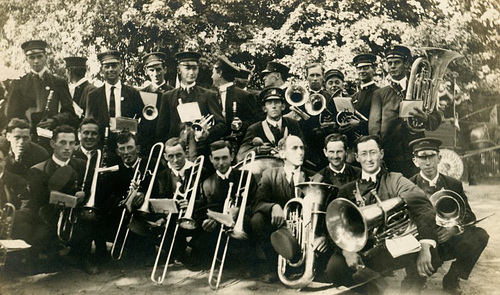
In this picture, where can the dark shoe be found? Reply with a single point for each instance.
(451, 284)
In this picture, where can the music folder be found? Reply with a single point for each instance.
(189, 112)
(343, 104)
(406, 106)
(165, 206)
(126, 124)
(63, 199)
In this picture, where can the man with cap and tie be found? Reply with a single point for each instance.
(79, 86)
(343, 266)
(384, 117)
(275, 75)
(275, 188)
(237, 104)
(465, 244)
(113, 100)
(365, 64)
(154, 66)
(169, 119)
(263, 137)
(27, 97)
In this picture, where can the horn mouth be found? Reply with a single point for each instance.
(346, 225)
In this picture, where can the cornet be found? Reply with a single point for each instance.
(135, 184)
(185, 219)
(232, 229)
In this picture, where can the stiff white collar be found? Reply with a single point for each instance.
(180, 173)
(432, 182)
(337, 171)
(370, 177)
(225, 175)
(224, 87)
(59, 162)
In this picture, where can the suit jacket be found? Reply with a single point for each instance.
(326, 175)
(25, 92)
(256, 130)
(384, 121)
(14, 190)
(447, 183)
(392, 185)
(39, 175)
(362, 101)
(81, 94)
(169, 123)
(274, 189)
(244, 108)
(33, 155)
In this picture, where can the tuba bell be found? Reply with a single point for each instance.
(425, 77)
(314, 104)
(350, 227)
(303, 216)
(450, 208)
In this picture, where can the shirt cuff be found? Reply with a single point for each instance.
(428, 241)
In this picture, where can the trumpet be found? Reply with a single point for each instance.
(185, 219)
(232, 229)
(135, 184)
(297, 96)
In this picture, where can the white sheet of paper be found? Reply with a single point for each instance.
(43, 132)
(189, 112)
(343, 104)
(402, 245)
(163, 205)
(14, 244)
(406, 106)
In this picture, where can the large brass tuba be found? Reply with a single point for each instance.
(350, 227)
(228, 226)
(303, 216)
(425, 77)
(450, 208)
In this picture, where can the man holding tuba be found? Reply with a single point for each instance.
(348, 268)
(465, 244)
(384, 119)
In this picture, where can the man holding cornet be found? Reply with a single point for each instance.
(455, 241)
(357, 263)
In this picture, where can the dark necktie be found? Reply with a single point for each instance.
(276, 132)
(292, 185)
(112, 107)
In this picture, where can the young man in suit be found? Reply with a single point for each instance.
(275, 188)
(89, 137)
(263, 137)
(464, 244)
(27, 98)
(113, 100)
(345, 267)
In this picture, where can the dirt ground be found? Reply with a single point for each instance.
(117, 278)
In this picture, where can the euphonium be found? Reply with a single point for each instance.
(350, 227)
(186, 220)
(138, 178)
(236, 229)
(450, 208)
(425, 77)
(296, 96)
(303, 215)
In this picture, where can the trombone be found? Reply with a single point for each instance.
(135, 184)
(185, 219)
(232, 229)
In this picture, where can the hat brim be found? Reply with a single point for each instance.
(363, 64)
(110, 61)
(154, 63)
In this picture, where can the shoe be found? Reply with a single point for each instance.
(90, 268)
(451, 284)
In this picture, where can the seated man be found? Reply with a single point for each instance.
(465, 244)
(89, 137)
(338, 172)
(275, 188)
(263, 137)
(22, 152)
(345, 268)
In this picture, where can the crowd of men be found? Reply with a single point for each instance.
(56, 126)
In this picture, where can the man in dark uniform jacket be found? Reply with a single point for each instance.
(275, 188)
(384, 117)
(113, 100)
(343, 265)
(40, 178)
(334, 86)
(27, 97)
(455, 242)
(365, 64)
(338, 172)
(89, 137)
(79, 86)
(237, 104)
(275, 75)
(155, 68)
(263, 137)
(21, 152)
(169, 122)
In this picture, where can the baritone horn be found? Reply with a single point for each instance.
(351, 226)
(151, 170)
(303, 216)
(423, 85)
(450, 208)
(185, 219)
(296, 96)
(232, 229)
